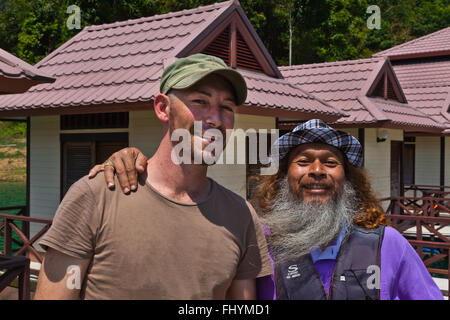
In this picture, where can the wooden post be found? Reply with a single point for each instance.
(233, 45)
(7, 239)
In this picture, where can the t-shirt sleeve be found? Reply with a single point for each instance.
(75, 224)
(255, 262)
(405, 275)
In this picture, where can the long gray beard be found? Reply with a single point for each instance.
(298, 227)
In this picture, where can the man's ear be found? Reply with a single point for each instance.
(162, 107)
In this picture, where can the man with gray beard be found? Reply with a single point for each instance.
(299, 227)
(327, 231)
(328, 235)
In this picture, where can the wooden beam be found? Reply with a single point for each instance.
(361, 139)
(233, 45)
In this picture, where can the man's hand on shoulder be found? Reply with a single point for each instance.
(127, 164)
(61, 276)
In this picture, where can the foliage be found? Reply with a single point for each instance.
(323, 30)
(9, 131)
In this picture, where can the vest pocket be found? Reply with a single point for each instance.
(358, 285)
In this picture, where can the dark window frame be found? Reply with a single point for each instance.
(86, 137)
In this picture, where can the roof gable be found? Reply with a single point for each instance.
(232, 38)
(366, 89)
(385, 84)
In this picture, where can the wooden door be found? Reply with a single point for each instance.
(396, 168)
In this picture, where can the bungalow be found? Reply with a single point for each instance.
(380, 116)
(107, 77)
(423, 70)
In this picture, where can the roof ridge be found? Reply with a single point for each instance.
(414, 86)
(333, 63)
(378, 54)
(217, 5)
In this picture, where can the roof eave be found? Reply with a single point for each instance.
(288, 113)
(416, 55)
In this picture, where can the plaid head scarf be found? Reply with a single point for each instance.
(316, 131)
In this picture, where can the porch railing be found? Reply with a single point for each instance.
(9, 226)
(424, 221)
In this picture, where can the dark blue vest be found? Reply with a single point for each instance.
(356, 275)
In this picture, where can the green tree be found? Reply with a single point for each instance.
(322, 30)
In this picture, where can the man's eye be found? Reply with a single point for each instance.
(200, 101)
(227, 108)
(303, 161)
(331, 163)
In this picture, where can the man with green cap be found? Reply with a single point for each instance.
(180, 235)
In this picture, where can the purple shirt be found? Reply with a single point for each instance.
(403, 274)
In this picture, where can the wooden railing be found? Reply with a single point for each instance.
(422, 220)
(14, 267)
(18, 211)
(8, 226)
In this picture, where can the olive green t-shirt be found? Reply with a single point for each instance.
(146, 246)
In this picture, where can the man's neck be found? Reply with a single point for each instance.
(185, 183)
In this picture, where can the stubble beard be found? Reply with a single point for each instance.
(297, 226)
(197, 150)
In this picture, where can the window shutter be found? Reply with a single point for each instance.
(104, 150)
(220, 47)
(379, 89)
(78, 160)
(244, 56)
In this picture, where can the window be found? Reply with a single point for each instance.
(80, 152)
(94, 121)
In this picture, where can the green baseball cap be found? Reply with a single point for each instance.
(185, 72)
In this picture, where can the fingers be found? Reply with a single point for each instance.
(96, 169)
(141, 162)
(109, 176)
(122, 174)
(126, 163)
(128, 158)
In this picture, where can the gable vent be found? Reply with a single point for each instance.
(383, 91)
(244, 56)
(220, 47)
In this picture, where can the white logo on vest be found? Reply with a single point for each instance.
(292, 272)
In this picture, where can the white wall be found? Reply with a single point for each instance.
(44, 168)
(145, 131)
(233, 177)
(378, 159)
(428, 157)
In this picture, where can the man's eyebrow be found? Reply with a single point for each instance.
(203, 92)
(209, 95)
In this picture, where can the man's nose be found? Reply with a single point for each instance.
(317, 170)
(214, 117)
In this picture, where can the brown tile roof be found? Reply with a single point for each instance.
(121, 63)
(433, 44)
(345, 84)
(17, 76)
(426, 84)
